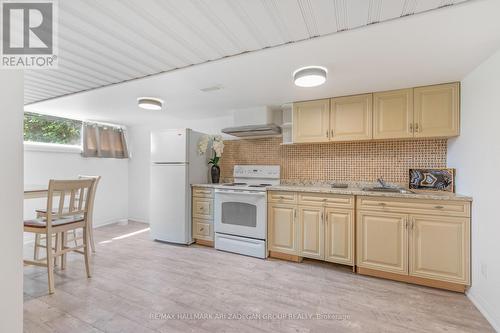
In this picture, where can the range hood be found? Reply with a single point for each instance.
(253, 130)
(255, 122)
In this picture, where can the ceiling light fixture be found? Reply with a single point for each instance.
(150, 103)
(310, 76)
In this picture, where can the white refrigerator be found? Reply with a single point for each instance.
(175, 165)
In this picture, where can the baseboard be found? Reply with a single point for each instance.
(486, 310)
(108, 222)
(140, 220)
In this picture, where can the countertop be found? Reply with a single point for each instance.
(427, 195)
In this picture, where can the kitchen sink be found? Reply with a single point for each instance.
(387, 190)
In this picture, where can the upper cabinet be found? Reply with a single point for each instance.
(311, 121)
(351, 118)
(437, 111)
(423, 112)
(393, 114)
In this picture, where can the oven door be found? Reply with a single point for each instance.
(240, 213)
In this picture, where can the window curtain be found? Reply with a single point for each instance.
(104, 141)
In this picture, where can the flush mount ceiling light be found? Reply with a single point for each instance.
(310, 76)
(150, 103)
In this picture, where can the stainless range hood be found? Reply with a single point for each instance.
(253, 131)
(255, 122)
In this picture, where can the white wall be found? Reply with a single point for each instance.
(111, 202)
(11, 178)
(476, 156)
(139, 166)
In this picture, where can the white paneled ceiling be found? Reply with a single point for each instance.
(106, 42)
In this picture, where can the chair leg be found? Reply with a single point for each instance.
(63, 246)
(37, 247)
(86, 251)
(91, 236)
(50, 263)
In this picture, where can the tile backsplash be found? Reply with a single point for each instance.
(342, 161)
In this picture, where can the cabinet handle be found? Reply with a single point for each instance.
(438, 207)
(406, 223)
(327, 133)
(416, 128)
(321, 217)
(382, 204)
(332, 133)
(411, 127)
(294, 213)
(412, 224)
(201, 229)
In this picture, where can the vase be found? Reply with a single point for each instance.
(215, 172)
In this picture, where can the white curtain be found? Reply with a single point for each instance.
(104, 141)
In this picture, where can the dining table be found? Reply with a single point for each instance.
(35, 191)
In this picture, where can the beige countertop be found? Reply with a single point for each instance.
(358, 191)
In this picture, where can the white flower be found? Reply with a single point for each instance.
(203, 144)
(218, 147)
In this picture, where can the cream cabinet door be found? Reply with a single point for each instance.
(339, 236)
(282, 229)
(351, 118)
(393, 114)
(439, 248)
(437, 111)
(382, 241)
(311, 121)
(311, 232)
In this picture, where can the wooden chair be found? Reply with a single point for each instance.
(90, 229)
(58, 220)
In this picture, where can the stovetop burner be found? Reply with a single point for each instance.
(259, 185)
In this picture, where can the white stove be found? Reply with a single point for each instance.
(240, 210)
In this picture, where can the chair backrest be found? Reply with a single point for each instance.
(93, 191)
(72, 198)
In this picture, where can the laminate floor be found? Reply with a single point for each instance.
(143, 286)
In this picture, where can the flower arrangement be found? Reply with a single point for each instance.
(217, 145)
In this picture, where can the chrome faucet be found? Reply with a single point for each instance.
(382, 182)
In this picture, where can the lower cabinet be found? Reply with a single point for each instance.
(439, 248)
(415, 245)
(282, 228)
(314, 230)
(339, 235)
(311, 232)
(382, 241)
(203, 215)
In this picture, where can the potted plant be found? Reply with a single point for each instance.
(217, 147)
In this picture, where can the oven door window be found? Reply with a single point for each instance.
(239, 213)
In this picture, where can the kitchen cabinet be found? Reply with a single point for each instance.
(202, 212)
(382, 241)
(422, 112)
(311, 232)
(351, 118)
(393, 114)
(418, 241)
(439, 248)
(321, 225)
(311, 121)
(282, 228)
(339, 236)
(437, 111)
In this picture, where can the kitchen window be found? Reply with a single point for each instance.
(52, 130)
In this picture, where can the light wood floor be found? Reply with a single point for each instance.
(135, 278)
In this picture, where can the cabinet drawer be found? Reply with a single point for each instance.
(327, 200)
(282, 197)
(203, 229)
(203, 192)
(415, 206)
(203, 208)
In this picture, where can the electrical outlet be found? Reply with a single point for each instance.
(484, 270)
